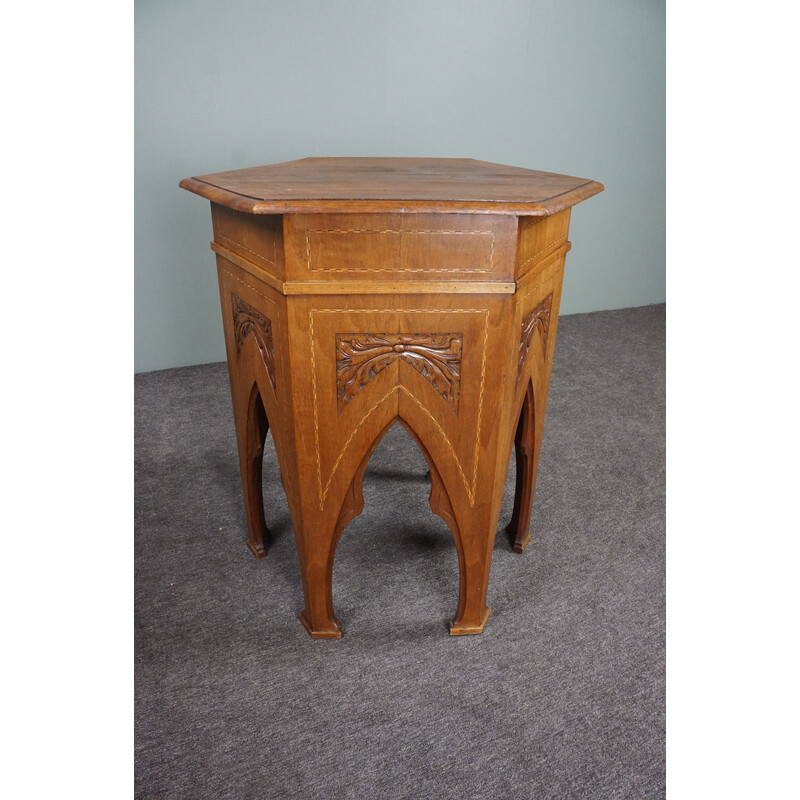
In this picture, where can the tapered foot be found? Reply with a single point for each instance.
(324, 633)
(258, 550)
(461, 629)
(519, 541)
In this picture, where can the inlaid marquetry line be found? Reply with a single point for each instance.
(398, 269)
(547, 274)
(253, 253)
(249, 286)
(530, 259)
(324, 488)
(362, 356)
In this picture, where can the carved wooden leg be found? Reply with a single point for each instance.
(538, 322)
(319, 550)
(250, 462)
(518, 529)
(370, 365)
(319, 539)
(474, 557)
(318, 616)
(254, 389)
(474, 561)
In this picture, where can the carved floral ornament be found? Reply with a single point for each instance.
(435, 356)
(536, 319)
(249, 321)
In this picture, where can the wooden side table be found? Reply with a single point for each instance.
(361, 292)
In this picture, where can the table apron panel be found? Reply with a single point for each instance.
(400, 247)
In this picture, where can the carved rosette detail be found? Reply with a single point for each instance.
(538, 318)
(435, 356)
(250, 321)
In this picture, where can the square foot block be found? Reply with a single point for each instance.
(469, 630)
(518, 547)
(331, 633)
(259, 551)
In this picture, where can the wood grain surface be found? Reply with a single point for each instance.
(341, 322)
(369, 185)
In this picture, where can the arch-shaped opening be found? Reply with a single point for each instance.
(257, 422)
(256, 428)
(396, 554)
(261, 477)
(524, 441)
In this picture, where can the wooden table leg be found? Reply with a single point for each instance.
(250, 461)
(356, 372)
(471, 532)
(538, 313)
(247, 319)
(368, 366)
(518, 529)
(361, 293)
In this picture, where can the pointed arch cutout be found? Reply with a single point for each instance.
(524, 448)
(257, 427)
(439, 501)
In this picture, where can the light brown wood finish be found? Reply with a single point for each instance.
(399, 185)
(360, 293)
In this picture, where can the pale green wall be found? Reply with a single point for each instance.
(574, 87)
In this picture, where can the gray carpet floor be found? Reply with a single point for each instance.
(562, 696)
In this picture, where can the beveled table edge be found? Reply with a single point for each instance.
(253, 205)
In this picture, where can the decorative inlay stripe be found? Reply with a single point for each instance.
(470, 491)
(249, 286)
(400, 286)
(325, 488)
(361, 356)
(549, 269)
(253, 253)
(560, 240)
(423, 232)
(249, 321)
(324, 493)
